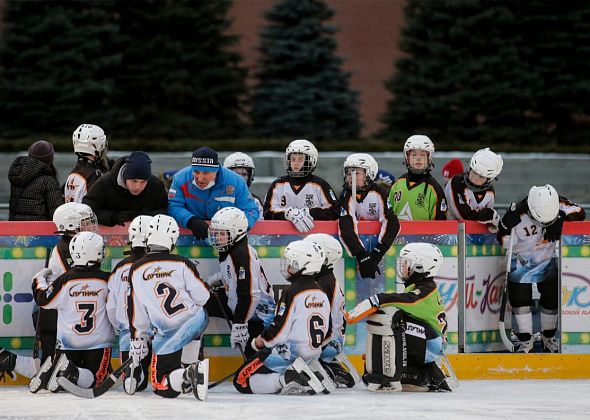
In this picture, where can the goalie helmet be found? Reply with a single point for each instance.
(419, 257)
(418, 142)
(331, 247)
(89, 139)
(306, 148)
(138, 231)
(74, 217)
(303, 257)
(543, 204)
(87, 248)
(241, 160)
(484, 163)
(364, 161)
(227, 227)
(162, 232)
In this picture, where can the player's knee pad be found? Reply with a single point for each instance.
(549, 291)
(253, 365)
(520, 294)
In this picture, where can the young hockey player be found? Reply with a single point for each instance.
(246, 295)
(84, 333)
(409, 326)
(300, 196)
(167, 298)
(119, 289)
(471, 195)
(243, 165)
(89, 144)
(295, 337)
(333, 358)
(371, 203)
(416, 195)
(536, 223)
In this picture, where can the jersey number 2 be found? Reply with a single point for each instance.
(169, 294)
(316, 332)
(86, 324)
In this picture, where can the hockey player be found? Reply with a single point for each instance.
(416, 195)
(246, 295)
(294, 339)
(371, 203)
(243, 165)
(300, 196)
(471, 195)
(333, 358)
(536, 223)
(406, 326)
(89, 144)
(167, 297)
(119, 288)
(84, 334)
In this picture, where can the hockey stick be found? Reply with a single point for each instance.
(447, 368)
(507, 343)
(225, 378)
(353, 189)
(97, 391)
(37, 342)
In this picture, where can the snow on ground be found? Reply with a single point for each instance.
(519, 400)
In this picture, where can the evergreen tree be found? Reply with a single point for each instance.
(56, 65)
(179, 79)
(302, 90)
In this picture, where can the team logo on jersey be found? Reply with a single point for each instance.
(172, 193)
(313, 302)
(281, 309)
(309, 200)
(83, 290)
(241, 273)
(372, 209)
(420, 200)
(443, 205)
(230, 189)
(156, 273)
(125, 276)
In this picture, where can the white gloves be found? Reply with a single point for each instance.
(363, 309)
(138, 350)
(284, 351)
(494, 222)
(42, 277)
(300, 218)
(239, 335)
(215, 280)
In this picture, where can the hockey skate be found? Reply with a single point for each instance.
(7, 364)
(523, 346)
(322, 375)
(426, 378)
(299, 379)
(198, 375)
(437, 380)
(338, 374)
(550, 344)
(41, 378)
(65, 368)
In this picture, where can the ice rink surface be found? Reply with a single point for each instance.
(518, 400)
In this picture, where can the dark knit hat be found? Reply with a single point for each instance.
(42, 150)
(205, 159)
(137, 166)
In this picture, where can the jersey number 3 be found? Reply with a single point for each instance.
(169, 294)
(86, 325)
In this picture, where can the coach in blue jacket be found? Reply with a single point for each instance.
(199, 190)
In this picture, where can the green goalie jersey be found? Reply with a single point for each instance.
(418, 197)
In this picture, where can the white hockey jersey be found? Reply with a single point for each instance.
(464, 204)
(119, 289)
(333, 289)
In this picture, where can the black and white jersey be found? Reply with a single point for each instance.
(310, 192)
(81, 179)
(248, 290)
(60, 260)
(465, 204)
(260, 205)
(333, 289)
(371, 204)
(166, 291)
(80, 297)
(302, 319)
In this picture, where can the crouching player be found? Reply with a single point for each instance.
(248, 301)
(84, 333)
(406, 331)
(167, 297)
(295, 338)
(119, 287)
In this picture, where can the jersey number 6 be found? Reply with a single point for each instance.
(316, 330)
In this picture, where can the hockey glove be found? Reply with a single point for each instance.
(239, 335)
(510, 219)
(378, 252)
(138, 350)
(363, 309)
(215, 280)
(368, 268)
(553, 231)
(199, 228)
(41, 278)
(300, 218)
(284, 351)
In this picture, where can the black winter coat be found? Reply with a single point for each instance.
(34, 190)
(114, 204)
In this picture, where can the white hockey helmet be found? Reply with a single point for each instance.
(543, 204)
(162, 232)
(419, 257)
(418, 142)
(306, 148)
(74, 217)
(87, 248)
(241, 160)
(138, 231)
(331, 247)
(303, 257)
(89, 139)
(228, 226)
(364, 161)
(485, 163)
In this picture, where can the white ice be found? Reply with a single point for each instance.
(516, 400)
